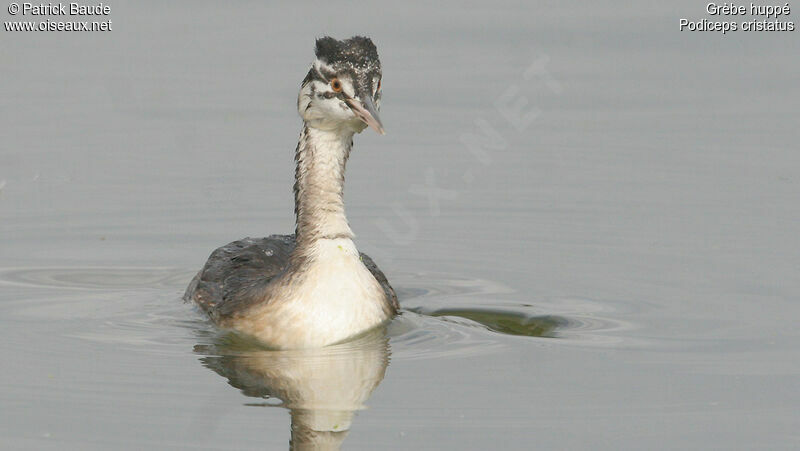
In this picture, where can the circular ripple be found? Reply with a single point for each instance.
(456, 308)
(442, 316)
(99, 278)
(120, 306)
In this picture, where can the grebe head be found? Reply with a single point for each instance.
(342, 91)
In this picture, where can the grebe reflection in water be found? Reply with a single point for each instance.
(322, 388)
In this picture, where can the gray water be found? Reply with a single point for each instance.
(617, 268)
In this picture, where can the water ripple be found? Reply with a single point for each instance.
(94, 278)
(442, 316)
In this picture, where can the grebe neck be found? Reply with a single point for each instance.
(321, 157)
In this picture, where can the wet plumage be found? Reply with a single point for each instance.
(313, 288)
(236, 272)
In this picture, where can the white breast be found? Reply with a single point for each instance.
(336, 298)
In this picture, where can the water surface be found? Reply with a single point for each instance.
(616, 268)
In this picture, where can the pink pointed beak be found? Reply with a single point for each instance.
(366, 111)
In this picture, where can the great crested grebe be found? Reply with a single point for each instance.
(313, 288)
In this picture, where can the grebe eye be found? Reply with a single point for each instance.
(336, 85)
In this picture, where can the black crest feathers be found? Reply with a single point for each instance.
(358, 51)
